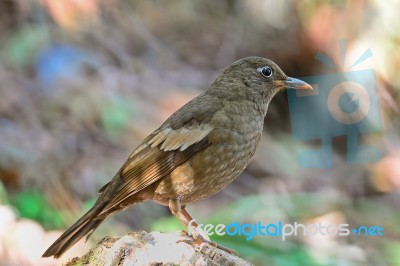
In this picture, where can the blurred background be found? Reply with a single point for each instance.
(83, 82)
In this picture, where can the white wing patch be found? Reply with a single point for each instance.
(178, 139)
(138, 149)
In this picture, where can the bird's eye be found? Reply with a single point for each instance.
(266, 71)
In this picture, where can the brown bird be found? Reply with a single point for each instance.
(196, 152)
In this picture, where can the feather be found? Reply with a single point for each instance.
(149, 164)
(180, 138)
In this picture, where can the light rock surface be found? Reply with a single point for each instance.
(155, 248)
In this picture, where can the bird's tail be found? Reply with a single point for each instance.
(85, 225)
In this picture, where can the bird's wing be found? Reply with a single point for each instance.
(158, 156)
(181, 136)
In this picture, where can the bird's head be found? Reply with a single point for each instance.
(255, 78)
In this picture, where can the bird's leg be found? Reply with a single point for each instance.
(180, 212)
(199, 236)
(194, 228)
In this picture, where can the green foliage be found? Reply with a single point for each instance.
(32, 204)
(23, 45)
(116, 115)
(167, 224)
(266, 250)
(89, 204)
(392, 253)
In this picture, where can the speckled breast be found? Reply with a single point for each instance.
(209, 171)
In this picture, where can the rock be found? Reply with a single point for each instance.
(155, 248)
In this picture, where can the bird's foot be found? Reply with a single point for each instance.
(183, 233)
(199, 240)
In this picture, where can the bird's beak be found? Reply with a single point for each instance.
(292, 83)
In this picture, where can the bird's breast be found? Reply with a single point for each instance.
(223, 161)
(234, 141)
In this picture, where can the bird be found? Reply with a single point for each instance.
(196, 152)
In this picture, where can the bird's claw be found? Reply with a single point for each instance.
(183, 233)
(199, 240)
(215, 244)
